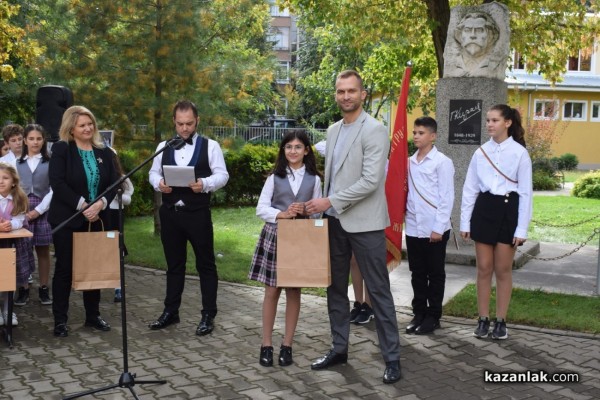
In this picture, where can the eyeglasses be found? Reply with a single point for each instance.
(298, 147)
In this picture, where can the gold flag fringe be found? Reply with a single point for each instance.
(395, 252)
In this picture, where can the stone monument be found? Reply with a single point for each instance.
(475, 62)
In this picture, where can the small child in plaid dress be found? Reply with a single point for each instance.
(295, 180)
(13, 205)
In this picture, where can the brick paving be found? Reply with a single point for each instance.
(224, 365)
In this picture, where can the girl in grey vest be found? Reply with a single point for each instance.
(294, 181)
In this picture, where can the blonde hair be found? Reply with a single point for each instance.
(19, 198)
(69, 120)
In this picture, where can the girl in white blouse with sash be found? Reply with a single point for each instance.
(496, 211)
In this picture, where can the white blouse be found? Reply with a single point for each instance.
(513, 160)
(16, 221)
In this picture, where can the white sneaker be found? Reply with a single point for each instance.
(15, 322)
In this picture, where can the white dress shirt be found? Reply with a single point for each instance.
(433, 176)
(126, 195)
(321, 147)
(33, 162)
(9, 158)
(513, 160)
(16, 221)
(269, 214)
(216, 162)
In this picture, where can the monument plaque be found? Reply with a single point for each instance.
(475, 54)
(464, 124)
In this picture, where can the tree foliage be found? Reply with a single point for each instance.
(377, 38)
(15, 47)
(330, 47)
(18, 59)
(129, 62)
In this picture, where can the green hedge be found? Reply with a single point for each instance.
(141, 201)
(544, 177)
(248, 168)
(566, 162)
(587, 186)
(542, 180)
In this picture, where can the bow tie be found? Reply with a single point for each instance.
(189, 140)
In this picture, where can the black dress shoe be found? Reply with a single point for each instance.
(414, 323)
(61, 330)
(429, 325)
(285, 356)
(206, 325)
(266, 356)
(329, 360)
(392, 372)
(166, 318)
(98, 323)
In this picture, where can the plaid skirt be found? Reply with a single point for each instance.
(25, 260)
(42, 233)
(264, 261)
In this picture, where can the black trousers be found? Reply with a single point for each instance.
(426, 262)
(178, 227)
(370, 253)
(63, 276)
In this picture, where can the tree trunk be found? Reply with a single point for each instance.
(439, 12)
(157, 110)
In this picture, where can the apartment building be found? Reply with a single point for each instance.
(573, 103)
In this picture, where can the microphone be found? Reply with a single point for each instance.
(176, 143)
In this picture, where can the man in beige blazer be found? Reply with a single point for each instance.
(354, 203)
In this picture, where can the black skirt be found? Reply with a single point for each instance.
(494, 219)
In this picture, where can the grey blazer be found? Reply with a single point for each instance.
(359, 196)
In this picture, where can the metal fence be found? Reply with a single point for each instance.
(261, 134)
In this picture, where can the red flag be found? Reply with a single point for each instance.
(396, 184)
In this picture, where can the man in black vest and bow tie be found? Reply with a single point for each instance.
(185, 215)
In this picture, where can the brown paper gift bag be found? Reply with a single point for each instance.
(303, 253)
(96, 263)
(8, 270)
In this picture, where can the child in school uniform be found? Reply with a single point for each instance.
(427, 225)
(13, 205)
(13, 135)
(496, 210)
(13, 138)
(32, 167)
(294, 181)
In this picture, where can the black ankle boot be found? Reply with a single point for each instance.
(266, 356)
(285, 356)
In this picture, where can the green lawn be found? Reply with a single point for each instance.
(573, 175)
(535, 308)
(564, 210)
(237, 230)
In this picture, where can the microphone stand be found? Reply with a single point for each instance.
(127, 379)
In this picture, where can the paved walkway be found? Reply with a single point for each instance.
(224, 365)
